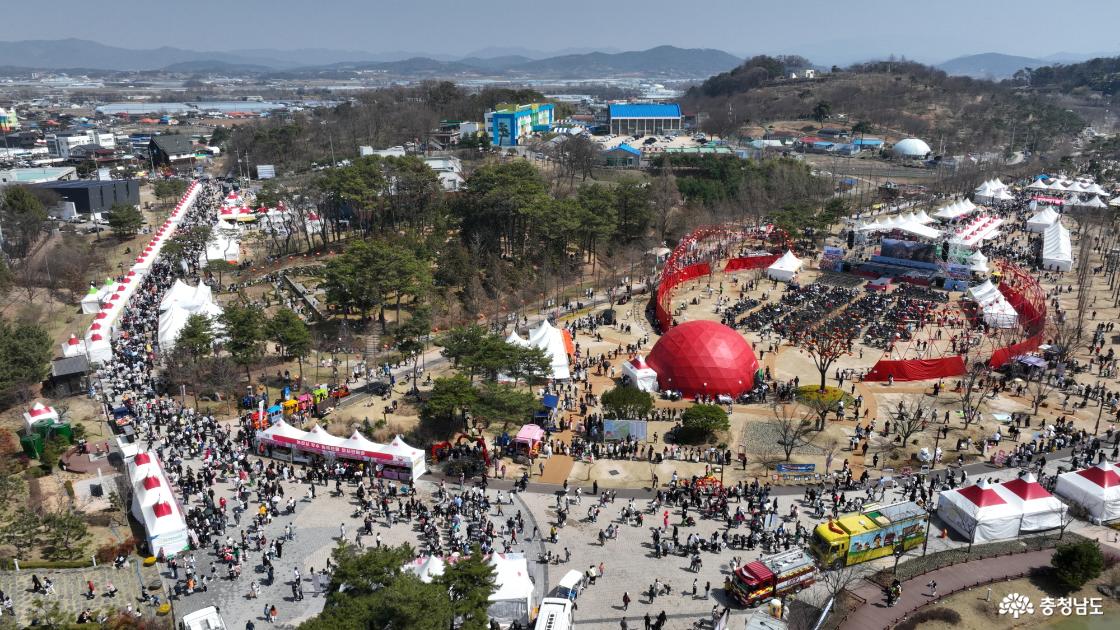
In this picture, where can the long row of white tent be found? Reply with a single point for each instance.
(992, 191)
(955, 210)
(95, 343)
(1073, 186)
(397, 454)
(915, 223)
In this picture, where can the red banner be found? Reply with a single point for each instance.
(916, 369)
(751, 262)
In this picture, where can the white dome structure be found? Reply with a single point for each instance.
(911, 148)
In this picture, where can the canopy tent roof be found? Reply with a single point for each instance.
(357, 446)
(1038, 184)
(640, 373)
(556, 345)
(154, 504)
(978, 262)
(955, 210)
(788, 262)
(979, 512)
(911, 226)
(997, 310)
(1042, 219)
(38, 412)
(529, 434)
(1096, 488)
(979, 229)
(185, 296)
(1057, 250)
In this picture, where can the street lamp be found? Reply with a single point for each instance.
(898, 553)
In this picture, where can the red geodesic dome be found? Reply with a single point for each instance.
(704, 357)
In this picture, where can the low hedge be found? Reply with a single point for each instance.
(8, 564)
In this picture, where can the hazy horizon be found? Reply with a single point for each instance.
(825, 32)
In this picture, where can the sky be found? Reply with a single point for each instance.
(825, 31)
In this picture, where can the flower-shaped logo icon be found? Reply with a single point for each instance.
(1016, 605)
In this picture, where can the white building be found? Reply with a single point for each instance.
(62, 144)
(449, 170)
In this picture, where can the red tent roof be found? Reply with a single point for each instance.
(639, 362)
(1027, 490)
(73, 340)
(704, 357)
(1102, 476)
(151, 482)
(982, 496)
(163, 508)
(142, 458)
(39, 409)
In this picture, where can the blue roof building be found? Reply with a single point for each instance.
(623, 155)
(634, 118)
(868, 143)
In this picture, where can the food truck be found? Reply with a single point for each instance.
(874, 532)
(771, 576)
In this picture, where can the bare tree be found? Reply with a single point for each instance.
(1040, 385)
(824, 348)
(666, 199)
(911, 417)
(793, 429)
(976, 384)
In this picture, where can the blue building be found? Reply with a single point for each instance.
(624, 156)
(634, 118)
(508, 125)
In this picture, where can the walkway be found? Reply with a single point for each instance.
(558, 467)
(875, 614)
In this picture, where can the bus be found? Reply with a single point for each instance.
(554, 614)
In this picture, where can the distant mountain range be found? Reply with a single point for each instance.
(69, 54)
(997, 66)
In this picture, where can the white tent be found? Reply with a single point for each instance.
(154, 504)
(185, 296)
(784, 268)
(979, 513)
(1097, 190)
(1057, 250)
(1097, 489)
(640, 373)
(552, 341)
(924, 218)
(517, 340)
(1041, 510)
(91, 301)
(1056, 186)
(1114, 202)
(1038, 184)
(1095, 202)
(512, 599)
(997, 311)
(38, 412)
(73, 347)
(1042, 220)
(400, 461)
(398, 448)
(978, 262)
(955, 210)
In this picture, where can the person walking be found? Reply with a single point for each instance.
(622, 624)
(932, 588)
(625, 601)
(36, 585)
(267, 616)
(645, 621)
(272, 614)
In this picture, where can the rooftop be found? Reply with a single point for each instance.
(645, 110)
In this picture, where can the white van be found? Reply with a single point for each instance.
(554, 614)
(570, 585)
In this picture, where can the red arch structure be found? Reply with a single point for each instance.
(1025, 296)
(680, 268)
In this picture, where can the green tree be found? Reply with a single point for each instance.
(24, 532)
(244, 331)
(470, 581)
(500, 403)
(1077, 563)
(220, 267)
(11, 488)
(25, 356)
(169, 189)
(66, 533)
(197, 336)
(700, 422)
(821, 111)
(460, 342)
(125, 220)
(354, 280)
(410, 603)
(626, 403)
(366, 572)
(24, 218)
(446, 408)
(49, 613)
(291, 333)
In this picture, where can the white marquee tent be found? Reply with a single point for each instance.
(154, 504)
(397, 454)
(1040, 509)
(979, 513)
(1042, 220)
(998, 312)
(978, 262)
(38, 412)
(784, 268)
(1057, 250)
(512, 599)
(640, 373)
(1097, 489)
(553, 341)
(955, 210)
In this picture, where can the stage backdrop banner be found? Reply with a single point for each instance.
(917, 369)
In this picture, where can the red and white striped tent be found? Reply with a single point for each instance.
(979, 513)
(1041, 510)
(1096, 488)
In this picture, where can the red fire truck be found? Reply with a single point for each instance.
(772, 576)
